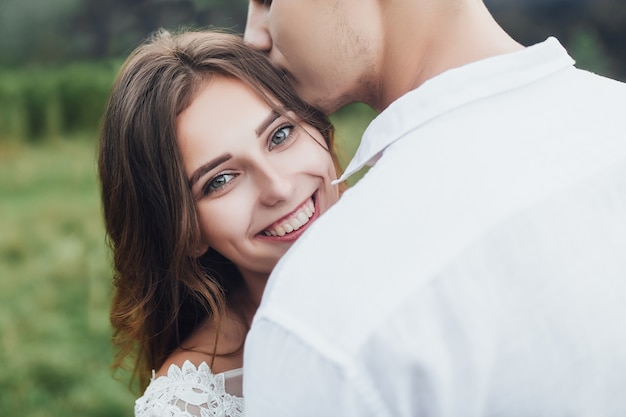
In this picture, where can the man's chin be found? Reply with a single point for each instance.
(328, 105)
(325, 104)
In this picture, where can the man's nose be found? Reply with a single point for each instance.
(257, 32)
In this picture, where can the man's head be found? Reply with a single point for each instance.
(330, 47)
(372, 51)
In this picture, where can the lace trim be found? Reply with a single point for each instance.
(188, 392)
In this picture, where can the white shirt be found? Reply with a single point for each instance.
(479, 267)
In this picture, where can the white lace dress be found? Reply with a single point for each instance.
(192, 392)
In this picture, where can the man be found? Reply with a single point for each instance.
(479, 268)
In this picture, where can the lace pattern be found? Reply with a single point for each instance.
(188, 392)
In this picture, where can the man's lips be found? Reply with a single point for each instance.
(293, 221)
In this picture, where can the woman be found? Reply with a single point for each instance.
(210, 168)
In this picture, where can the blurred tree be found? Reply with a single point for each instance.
(34, 30)
(590, 53)
(52, 31)
(593, 31)
(609, 17)
(112, 27)
(230, 14)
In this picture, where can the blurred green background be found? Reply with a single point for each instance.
(58, 59)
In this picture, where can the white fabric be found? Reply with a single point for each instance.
(190, 392)
(478, 268)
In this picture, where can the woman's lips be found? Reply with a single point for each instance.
(292, 222)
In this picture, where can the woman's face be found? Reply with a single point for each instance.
(258, 180)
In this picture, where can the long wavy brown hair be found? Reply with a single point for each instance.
(162, 292)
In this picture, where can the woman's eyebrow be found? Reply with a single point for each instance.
(265, 123)
(198, 173)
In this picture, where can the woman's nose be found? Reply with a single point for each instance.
(257, 33)
(275, 186)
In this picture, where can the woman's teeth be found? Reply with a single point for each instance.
(293, 222)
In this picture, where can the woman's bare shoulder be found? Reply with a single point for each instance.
(201, 346)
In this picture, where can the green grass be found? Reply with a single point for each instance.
(55, 286)
(55, 279)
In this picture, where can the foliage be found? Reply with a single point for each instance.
(56, 31)
(590, 29)
(350, 123)
(37, 103)
(589, 52)
(36, 31)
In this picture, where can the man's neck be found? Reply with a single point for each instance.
(425, 38)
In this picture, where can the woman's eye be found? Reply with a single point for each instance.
(280, 136)
(217, 182)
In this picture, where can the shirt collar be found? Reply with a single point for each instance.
(453, 89)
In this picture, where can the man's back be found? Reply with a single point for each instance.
(477, 269)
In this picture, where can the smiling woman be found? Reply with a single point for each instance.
(210, 168)
(268, 174)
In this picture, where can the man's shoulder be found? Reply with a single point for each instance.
(336, 264)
